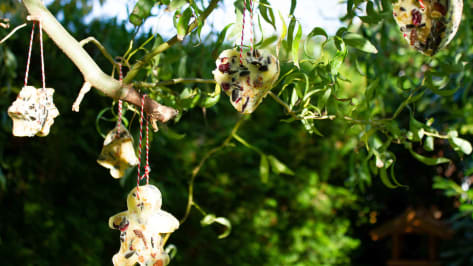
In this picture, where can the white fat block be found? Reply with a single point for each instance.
(118, 153)
(142, 227)
(33, 112)
(248, 82)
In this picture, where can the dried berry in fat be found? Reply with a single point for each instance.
(428, 25)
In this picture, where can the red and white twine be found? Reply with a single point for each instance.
(147, 167)
(29, 55)
(250, 9)
(30, 48)
(251, 26)
(43, 76)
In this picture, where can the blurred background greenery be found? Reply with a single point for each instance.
(300, 188)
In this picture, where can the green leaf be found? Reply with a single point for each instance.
(357, 41)
(267, 42)
(246, 144)
(282, 35)
(372, 16)
(293, 7)
(460, 144)
(264, 169)
(267, 13)
(466, 208)
(309, 125)
(141, 11)
(211, 99)
(100, 117)
(323, 100)
(278, 167)
(176, 4)
(171, 134)
(290, 32)
(339, 57)
(183, 24)
(437, 82)
(295, 46)
(317, 31)
(211, 218)
(370, 90)
(337, 62)
(294, 98)
(220, 40)
(189, 98)
(429, 143)
(427, 160)
(341, 31)
(383, 174)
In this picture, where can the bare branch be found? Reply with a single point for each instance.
(12, 32)
(85, 88)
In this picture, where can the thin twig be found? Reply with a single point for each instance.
(321, 117)
(202, 162)
(100, 46)
(196, 170)
(13, 32)
(436, 135)
(84, 90)
(406, 101)
(173, 82)
(281, 102)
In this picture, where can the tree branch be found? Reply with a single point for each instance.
(90, 70)
(164, 46)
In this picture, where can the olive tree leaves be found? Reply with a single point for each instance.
(318, 88)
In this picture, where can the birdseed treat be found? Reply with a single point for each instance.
(248, 82)
(118, 153)
(428, 25)
(33, 112)
(142, 227)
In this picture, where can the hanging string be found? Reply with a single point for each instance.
(250, 9)
(29, 55)
(147, 167)
(30, 48)
(251, 26)
(242, 32)
(120, 104)
(43, 76)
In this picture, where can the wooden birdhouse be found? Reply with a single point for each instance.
(414, 235)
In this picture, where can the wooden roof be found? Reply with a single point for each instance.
(412, 221)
